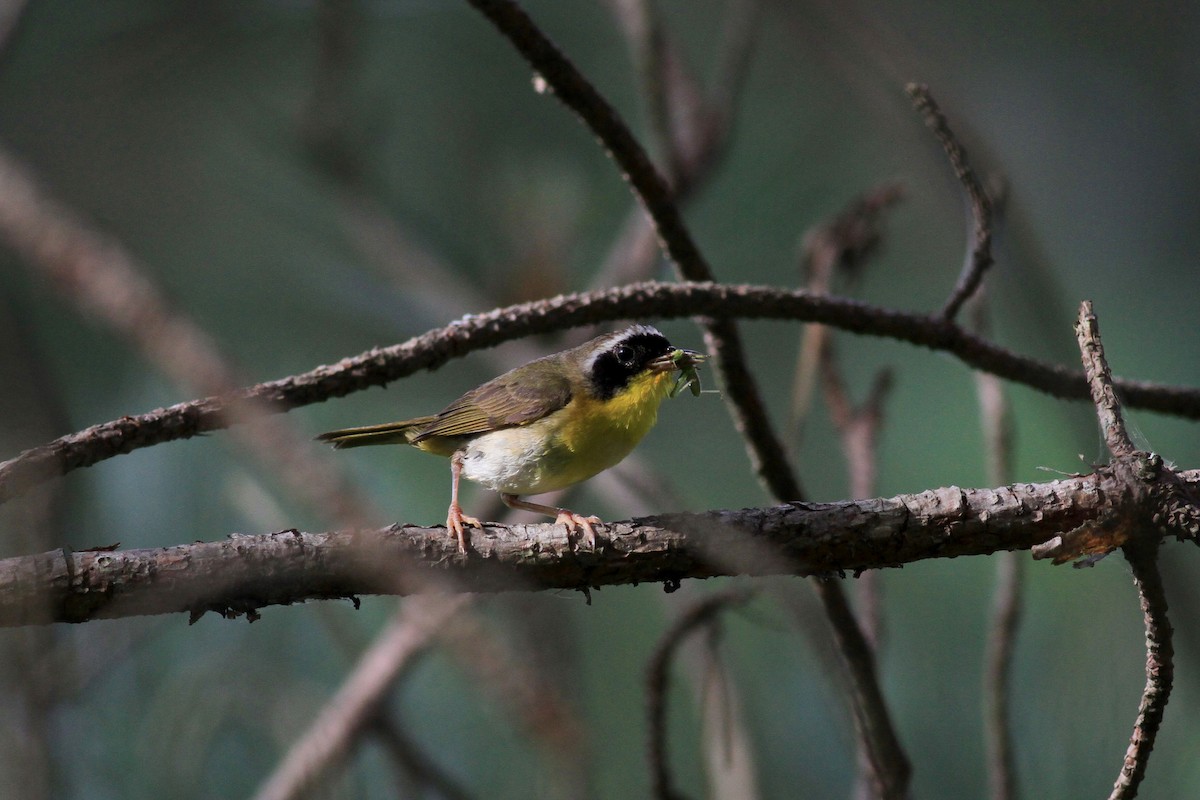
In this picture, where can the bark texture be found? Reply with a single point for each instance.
(244, 573)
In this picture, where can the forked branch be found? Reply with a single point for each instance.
(1133, 528)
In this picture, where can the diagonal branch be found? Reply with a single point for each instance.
(741, 391)
(658, 677)
(104, 280)
(416, 768)
(350, 712)
(577, 93)
(722, 338)
(99, 275)
(1100, 383)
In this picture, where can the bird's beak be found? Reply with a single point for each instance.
(677, 359)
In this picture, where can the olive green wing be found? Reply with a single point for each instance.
(504, 402)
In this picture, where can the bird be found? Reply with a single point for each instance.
(548, 424)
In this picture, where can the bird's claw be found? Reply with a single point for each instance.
(456, 522)
(578, 522)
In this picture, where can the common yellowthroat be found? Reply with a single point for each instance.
(549, 424)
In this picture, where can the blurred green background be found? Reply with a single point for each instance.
(187, 130)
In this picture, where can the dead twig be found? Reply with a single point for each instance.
(858, 428)
(1007, 598)
(703, 129)
(840, 245)
(1140, 540)
(857, 425)
(658, 683)
(1160, 670)
(414, 764)
(890, 770)
(981, 203)
(844, 245)
(1007, 601)
(1100, 384)
(350, 711)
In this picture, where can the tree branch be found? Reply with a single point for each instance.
(1160, 670)
(244, 573)
(1150, 484)
(1100, 383)
(380, 366)
(722, 338)
(347, 715)
(658, 677)
(981, 203)
(1008, 595)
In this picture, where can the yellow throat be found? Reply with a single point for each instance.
(599, 433)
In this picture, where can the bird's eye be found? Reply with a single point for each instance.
(624, 354)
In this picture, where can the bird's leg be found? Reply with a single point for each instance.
(562, 516)
(456, 520)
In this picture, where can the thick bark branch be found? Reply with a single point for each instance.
(244, 573)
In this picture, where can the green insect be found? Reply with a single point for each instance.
(687, 361)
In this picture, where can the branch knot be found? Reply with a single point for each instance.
(1134, 486)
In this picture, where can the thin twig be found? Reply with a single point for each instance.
(1160, 670)
(890, 769)
(702, 143)
(981, 204)
(997, 675)
(726, 742)
(658, 679)
(840, 245)
(1141, 548)
(661, 75)
(1007, 598)
(348, 713)
(844, 245)
(858, 428)
(1100, 382)
(414, 764)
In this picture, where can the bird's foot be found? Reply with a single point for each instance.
(456, 522)
(578, 522)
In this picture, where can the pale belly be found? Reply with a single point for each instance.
(531, 460)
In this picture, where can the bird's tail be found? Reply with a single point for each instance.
(388, 433)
